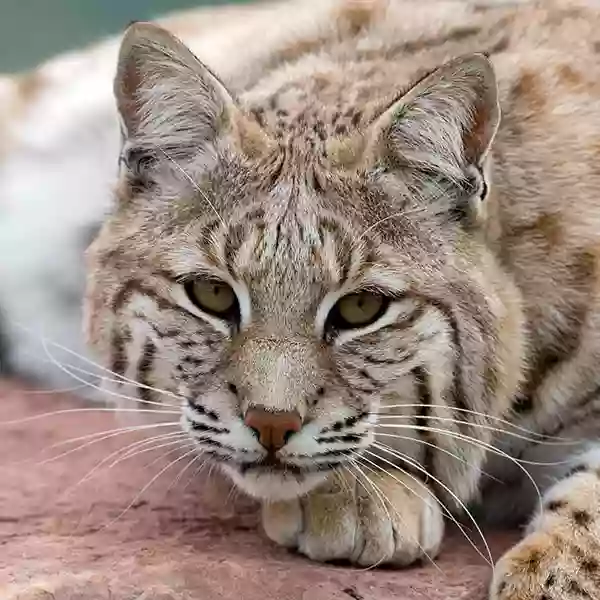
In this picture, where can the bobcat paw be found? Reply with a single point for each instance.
(394, 520)
(560, 558)
(543, 567)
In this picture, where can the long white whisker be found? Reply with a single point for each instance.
(88, 361)
(96, 387)
(468, 438)
(460, 503)
(100, 437)
(534, 434)
(126, 450)
(197, 471)
(354, 464)
(148, 485)
(124, 380)
(474, 426)
(183, 471)
(68, 368)
(479, 444)
(137, 451)
(445, 451)
(443, 507)
(68, 411)
(382, 498)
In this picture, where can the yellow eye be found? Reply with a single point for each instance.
(358, 310)
(213, 297)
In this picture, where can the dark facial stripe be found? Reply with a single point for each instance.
(144, 369)
(201, 410)
(233, 242)
(422, 380)
(205, 441)
(293, 469)
(338, 452)
(134, 286)
(202, 427)
(459, 396)
(349, 438)
(119, 340)
(348, 422)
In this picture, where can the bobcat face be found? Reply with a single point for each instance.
(286, 295)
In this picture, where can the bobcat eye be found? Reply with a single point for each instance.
(358, 310)
(213, 297)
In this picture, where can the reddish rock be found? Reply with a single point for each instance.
(192, 538)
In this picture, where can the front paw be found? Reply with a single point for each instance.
(393, 519)
(560, 557)
(545, 567)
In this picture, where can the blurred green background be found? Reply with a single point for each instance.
(32, 30)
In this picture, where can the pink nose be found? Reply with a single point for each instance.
(273, 428)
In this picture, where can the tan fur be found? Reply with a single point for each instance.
(330, 158)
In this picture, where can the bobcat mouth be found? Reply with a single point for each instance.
(271, 464)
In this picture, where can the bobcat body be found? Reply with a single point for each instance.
(359, 245)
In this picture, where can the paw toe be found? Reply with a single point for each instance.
(282, 522)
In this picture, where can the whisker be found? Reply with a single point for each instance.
(149, 484)
(354, 464)
(137, 451)
(535, 434)
(489, 559)
(127, 449)
(68, 411)
(183, 470)
(444, 508)
(121, 381)
(473, 440)
(483, 445)
(445, 451)
(45, 342)
(197, 471)
(478, 426)
(386, 501)
(97, 438)
(89, 384)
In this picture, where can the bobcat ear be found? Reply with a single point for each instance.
(446, 122)
(171, 105)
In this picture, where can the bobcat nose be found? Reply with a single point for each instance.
(273, 428)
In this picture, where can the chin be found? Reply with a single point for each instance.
(266, 484)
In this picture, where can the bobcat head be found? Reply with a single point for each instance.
(289, 289)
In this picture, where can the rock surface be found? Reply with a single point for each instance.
(184, 537)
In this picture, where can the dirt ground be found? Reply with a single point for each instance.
(183, 538)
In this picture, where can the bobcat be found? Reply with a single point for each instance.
(361, 250)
